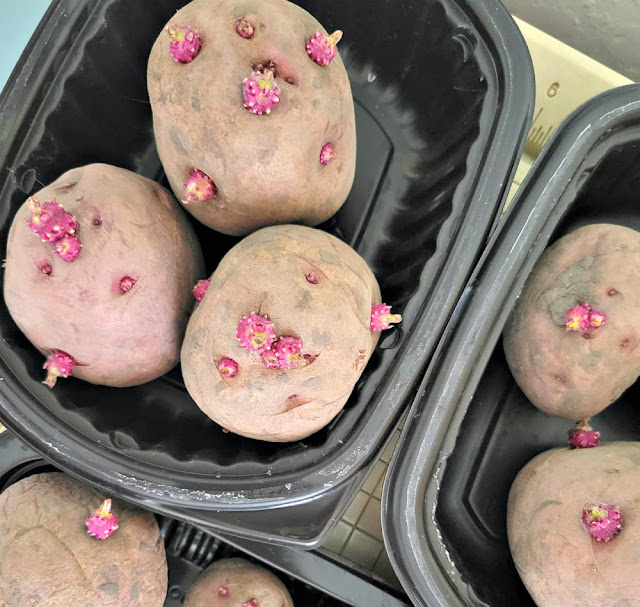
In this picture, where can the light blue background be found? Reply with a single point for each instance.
(18, 20)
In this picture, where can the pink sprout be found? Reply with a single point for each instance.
(228, 367)
(199, 187)
(260, 92)
(223, 592)
(323, 49)
(255, 333)
(270, 359)
(126, 284)
(245, 29)
(185, 43)
(50, 221)
(381, 317)
(309, 358)
(102, 522)
(287, 352)
(327, 154)
(58, 364)
(583, 437)
(201, 288)
(68, 248)
(583, 317)
(578, 318)
(596, 319)
(602, 521)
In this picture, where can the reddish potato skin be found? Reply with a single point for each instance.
(558, 561)
(265, 274)
(243, 581)
(266, 167)
(560, 371)
(48, 559)
(117, 339)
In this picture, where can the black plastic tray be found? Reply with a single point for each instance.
(311, 579)
(444, 94)
(472, 429)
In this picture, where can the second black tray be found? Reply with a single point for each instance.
(471, 429)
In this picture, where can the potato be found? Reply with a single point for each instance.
(237, 170)
(47, 558)
(237, 583)
(114, 314)
(311, 287)
(559, 561)
(575, 374)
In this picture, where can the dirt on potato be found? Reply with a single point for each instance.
(577, 373)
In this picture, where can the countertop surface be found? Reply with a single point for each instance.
(18, 20)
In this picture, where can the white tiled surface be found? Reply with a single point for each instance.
(358, 536)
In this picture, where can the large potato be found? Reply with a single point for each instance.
(237, 583)
(120, 307)
(47, 558)
(265, 169)
(310, 286)
(559, 561)
(576, 374)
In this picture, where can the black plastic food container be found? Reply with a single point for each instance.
(472, 429)
(311, 579)
(444, 95)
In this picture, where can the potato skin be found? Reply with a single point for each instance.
(48, 559)
(116, 339)
(561, 372)
(243, 580)
(558, 561)
(266, 167)
(265, 274)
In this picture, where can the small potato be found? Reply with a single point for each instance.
(237, 583)
(48, 559)
(553, 541)
(114, 310)
(236, 170)
(577, 373)
(308, 287)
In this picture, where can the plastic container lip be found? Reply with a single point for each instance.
(502, 47)
(411, 491)
(187, 548)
